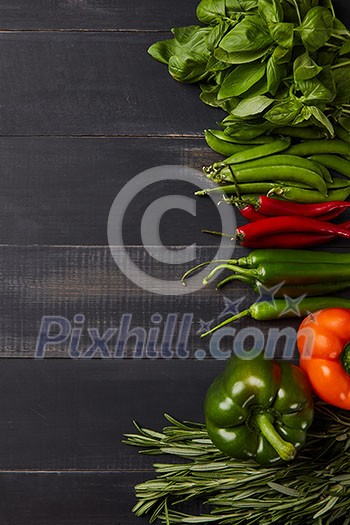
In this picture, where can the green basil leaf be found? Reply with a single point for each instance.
(252, 106)
(344, 122)
(275, 73)
(325, 58)
(248, 35)
(247, 130)
(188, 67)
(239, 57)
(284, 112)
(320, 117)
(345, 48)
(260, 88)
(282, 33)
(214, 65)
(241, 79)
(217, 33)
(240, 6)
(271, 10)
(163, 50)
(316, 28)
(341, 77)
(304, 115)
(186, 55)
(305, 68)
(282, 55)
(211, 11)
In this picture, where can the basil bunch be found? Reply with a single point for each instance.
(267, 63)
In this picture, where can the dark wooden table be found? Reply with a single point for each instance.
(83, 109)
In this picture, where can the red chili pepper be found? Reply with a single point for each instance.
(254, 233)
(288, 241)
(274, 207)
(328, 216)
(250, 213)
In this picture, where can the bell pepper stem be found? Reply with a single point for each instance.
(345, 358)
(283, 448)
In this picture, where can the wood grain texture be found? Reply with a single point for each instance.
(60, 190)
(96, 14)
(105, 14)
(60, 498)
(70, 415)
(66, 281)
(93, 84)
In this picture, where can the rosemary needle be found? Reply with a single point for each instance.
(313, 489)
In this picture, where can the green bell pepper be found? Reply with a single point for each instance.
(259, 409)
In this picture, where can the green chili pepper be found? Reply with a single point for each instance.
(259, 409)
(297, 273)
(333, 162)
(315, 147)
(309, 290)
(261, 256)
(278, 308)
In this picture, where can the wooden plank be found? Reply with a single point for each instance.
(53, 282)
(60, 414)
(60, 190)
(69, 498)
(106, 14)
(93, 84)
(96, 14)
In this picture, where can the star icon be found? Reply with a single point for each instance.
(268, 294)
(204, 326)
(231, 307)
(292, 306)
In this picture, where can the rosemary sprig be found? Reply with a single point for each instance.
(313, 489)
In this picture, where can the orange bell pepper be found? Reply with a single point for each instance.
(324, 345)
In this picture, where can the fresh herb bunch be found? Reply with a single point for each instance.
(267, 63)
(315, 488)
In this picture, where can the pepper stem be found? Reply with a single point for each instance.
(345, 358)
(227, 321)
(283, 448)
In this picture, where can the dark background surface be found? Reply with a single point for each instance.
(83, 109)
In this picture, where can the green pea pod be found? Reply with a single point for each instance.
(315, 147)
(310, 196)
(301, 133)
(258, 188)
(264, 139)
(341, 133)
(286, 160)
(258, 152)
(272, 173)
(221, 146)
(333, 162)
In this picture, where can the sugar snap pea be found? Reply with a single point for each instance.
(286, 160)
(341, 133)
(301, 133)
(273, 173)
(333, 162)
(315, 147)
(305, 195)
(221, 146)
(264, 139)
(258, 152)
